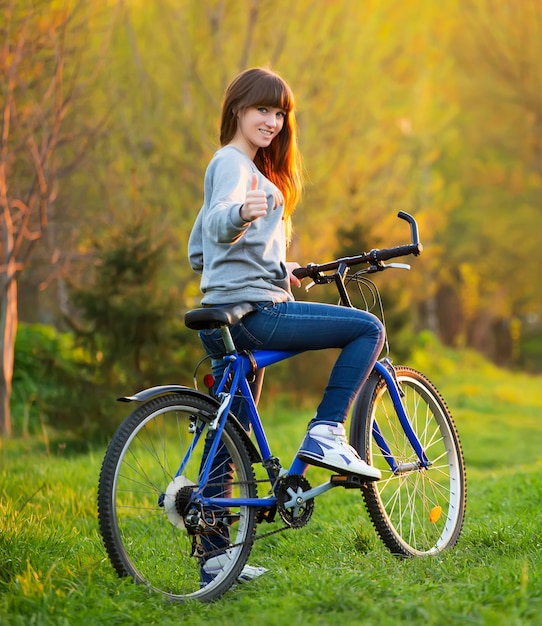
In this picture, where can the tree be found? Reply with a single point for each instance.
(123, 314)
(494, 235)
(40, 84)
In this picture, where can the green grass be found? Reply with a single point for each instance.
(53, 568)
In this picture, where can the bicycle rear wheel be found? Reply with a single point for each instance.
(415, 511)
(150, 529)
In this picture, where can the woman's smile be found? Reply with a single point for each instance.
(257, 127)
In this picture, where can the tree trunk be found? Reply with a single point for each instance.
(8, 332)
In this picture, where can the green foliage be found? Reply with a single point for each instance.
(56, 391)
(122, 306)
(54, 387)
(129, 320)
(127, 335)
(530, 349)
(62, 391)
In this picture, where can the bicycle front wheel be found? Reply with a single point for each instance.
(152, 529)
(416, 511)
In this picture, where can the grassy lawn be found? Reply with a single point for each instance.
(53, 568)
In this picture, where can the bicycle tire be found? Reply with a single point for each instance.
(140, 520)
(418, 511)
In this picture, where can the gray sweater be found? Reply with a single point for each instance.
(238, 261)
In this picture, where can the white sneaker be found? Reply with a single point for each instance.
(326, 445)
(250, 572)
(213, 567)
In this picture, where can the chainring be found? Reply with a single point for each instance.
(299, 514)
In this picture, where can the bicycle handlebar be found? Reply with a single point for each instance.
(374, 256)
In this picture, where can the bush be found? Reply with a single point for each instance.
(64, 388)
(53, 384)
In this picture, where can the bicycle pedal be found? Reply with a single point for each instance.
(266, 515)
(348, 481)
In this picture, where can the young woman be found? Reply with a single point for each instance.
(238, 244)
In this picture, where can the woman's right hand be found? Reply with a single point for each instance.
(255, 205)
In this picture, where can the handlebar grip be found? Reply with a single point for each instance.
(300, 272)
(392, 253)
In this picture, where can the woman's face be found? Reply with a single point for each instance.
(257, 127)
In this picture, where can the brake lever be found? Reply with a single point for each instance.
(320, 279)
(398, 266)
(373, 269)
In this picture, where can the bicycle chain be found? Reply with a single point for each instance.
(208, 553)
(254, 539)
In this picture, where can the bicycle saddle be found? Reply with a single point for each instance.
(209, 317)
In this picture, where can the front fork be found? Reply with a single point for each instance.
(387, 371)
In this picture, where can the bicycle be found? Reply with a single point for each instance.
(178, 488)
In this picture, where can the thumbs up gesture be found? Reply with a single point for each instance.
(255, 205)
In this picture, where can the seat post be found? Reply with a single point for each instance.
(227, 339)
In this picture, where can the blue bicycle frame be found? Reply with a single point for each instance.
(239, 366)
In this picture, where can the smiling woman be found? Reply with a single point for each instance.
(238, 243)
(279, 159)
(257, 127)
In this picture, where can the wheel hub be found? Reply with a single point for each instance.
(177, 498)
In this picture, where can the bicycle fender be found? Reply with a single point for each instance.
(161, 390)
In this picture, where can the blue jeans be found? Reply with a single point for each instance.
(295, 326)
(300, 326)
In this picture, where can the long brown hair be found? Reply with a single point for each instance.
(280, 162)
